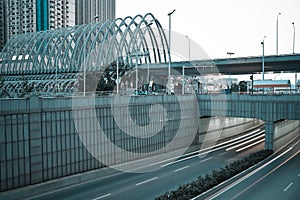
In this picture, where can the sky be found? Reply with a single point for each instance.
(221, 26)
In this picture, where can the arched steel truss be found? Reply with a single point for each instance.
(48, 58)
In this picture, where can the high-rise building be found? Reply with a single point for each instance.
(98, 10)
(2, 24)
(52, 14)
(22, 16)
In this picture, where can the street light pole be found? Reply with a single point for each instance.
(263, 58)
(294, 38)
(84, 62)
(169, 51)
(148, 68)
(117, 75)
(277, 33)
(189, 47)
(136, 73)
(230, 54)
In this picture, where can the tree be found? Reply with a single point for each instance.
(234, 87)
(243, 86)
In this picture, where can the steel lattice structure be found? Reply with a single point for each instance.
(54, 58)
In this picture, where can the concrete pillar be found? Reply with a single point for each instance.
(35, 131)
(269, 127)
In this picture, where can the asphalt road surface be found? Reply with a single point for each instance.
(168, 177)
(278, 179)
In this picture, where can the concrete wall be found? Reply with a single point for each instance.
(39, 140)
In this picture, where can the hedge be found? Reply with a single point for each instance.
(204, 183)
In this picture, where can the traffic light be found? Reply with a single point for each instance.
(251, 77)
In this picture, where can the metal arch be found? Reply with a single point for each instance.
(105, 43)
(10, 54)
(43, 45)
(140, 34)
(56, 39)
(39, 55)
(35, 49)
(60, 45)
(22, 69)
(46, 57)
(85, 38)
(75, 54)
(37, 38)
(69, 49)
(6, 54)
(114, 45)
(21, 43)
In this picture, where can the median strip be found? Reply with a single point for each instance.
(203, 183)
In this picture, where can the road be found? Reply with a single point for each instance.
(280, 179)
(168, 177)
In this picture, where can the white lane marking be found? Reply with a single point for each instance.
(103, 196)
(182, 168)
(246, 142)
(206, 159)
(146, 181)
(250, 145)
(287, 187)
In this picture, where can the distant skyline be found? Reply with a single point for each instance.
(226, 26)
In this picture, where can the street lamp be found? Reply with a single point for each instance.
(277, 33)
(263, 58)
(294, 37)
(117, 80)
(169, 51)
(84, 61)
(189, 47)
(230, 54)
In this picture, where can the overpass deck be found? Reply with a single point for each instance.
(241, 65)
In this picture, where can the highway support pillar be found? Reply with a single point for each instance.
(269, 132)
